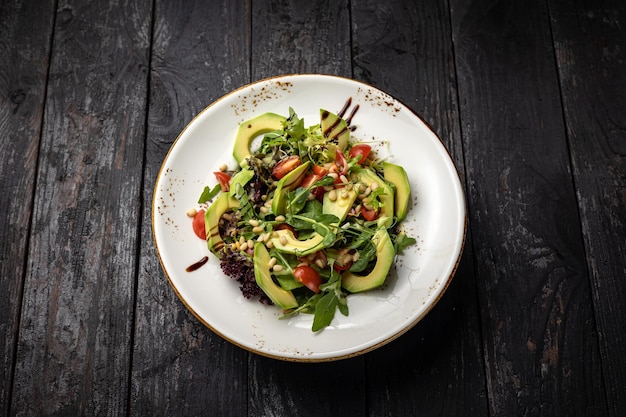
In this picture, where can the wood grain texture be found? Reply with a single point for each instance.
(180, 367)
(297, 36)
(589, 39)
(405, 48)
(538, 323)
(25, 34)
(74, 337)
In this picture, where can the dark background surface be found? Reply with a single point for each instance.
(529, 97)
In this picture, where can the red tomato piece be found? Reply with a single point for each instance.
(223, 180)
(309, 180)
(369, 214)
(361, 150)
(319, 170)
(309, 277)
(285, 166)
(198, 224)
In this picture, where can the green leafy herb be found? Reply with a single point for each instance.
(332, 299)
(208, 194)
(403, 241)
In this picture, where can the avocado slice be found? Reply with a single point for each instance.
(282, 298)
(396, 175)
(334, 128)
(341, 206)
(221, 205)
(250, 129)
(367, 176)
(287, 183)
(384, 259)
(294, 246)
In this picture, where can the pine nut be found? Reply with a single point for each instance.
(192, 212)
(332, 195)
(272, 262)
(277, 268)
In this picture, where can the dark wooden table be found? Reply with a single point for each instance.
(528, 96)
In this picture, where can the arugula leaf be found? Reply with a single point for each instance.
(332, 300)
(324, 311)
(366, 254)
(403, 241)
(208, 194)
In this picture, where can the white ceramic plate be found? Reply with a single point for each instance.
(436, 219)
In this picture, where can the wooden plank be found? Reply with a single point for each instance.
(303, 37)
(25, 34)
(538, 324)
(436, 368)
(589, 41)
(180, 367)
(74, 337)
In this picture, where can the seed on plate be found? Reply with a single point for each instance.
(253, 222)
(264, 210)
(257, 229)
(272, 262)
(241, 239)
(332, 195)
(223, 167)
(227, 216)
(277, 268)
(283, 240)
(243, 246)
(320, 263)
(343, 179)
(355, 257)
(373, 186)
(349, 186)
(192, 212)
(280, 218)
(269, 244)
(250, 243)
(333, 174)
(344, 194)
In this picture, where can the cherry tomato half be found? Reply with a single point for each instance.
(198, 224)
(285, 166)
(319, 170)
(309, 277)
(361, 150)
(223, 179)
(309, 180)
(368, 214)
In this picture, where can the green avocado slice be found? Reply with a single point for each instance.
(342, 204)
(250, 129)
(334, 128)
(221, 205)
(396, 175)
(284, 241)
(384, 259)
(282, 298)
(288, 183)
(366, 176)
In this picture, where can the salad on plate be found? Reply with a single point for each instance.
(307, 217)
